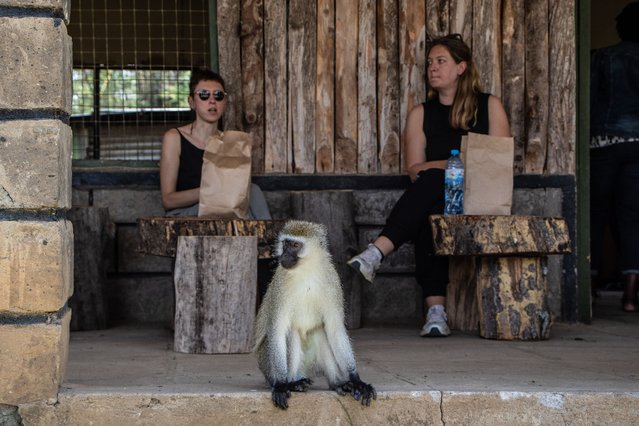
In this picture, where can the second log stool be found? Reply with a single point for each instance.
(215, 294)
(511, 254)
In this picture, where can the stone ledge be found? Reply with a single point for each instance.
(116, 407)
(57, 7)
(31, 80)
(26, 180)
(36, 266)
(33, 359)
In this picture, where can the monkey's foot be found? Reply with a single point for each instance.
(280, 395)
(300, 385)
(359, 390)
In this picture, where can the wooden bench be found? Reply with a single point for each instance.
(215, 277)
(509, 255)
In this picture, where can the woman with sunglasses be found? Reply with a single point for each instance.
(183, 150)
(455, 106)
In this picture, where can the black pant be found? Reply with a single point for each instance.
(408, 221)
(614, 193)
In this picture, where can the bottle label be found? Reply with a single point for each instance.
(454, 191)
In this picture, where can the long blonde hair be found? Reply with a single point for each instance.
(463, 113)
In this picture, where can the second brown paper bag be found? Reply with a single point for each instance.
(226, 176)
(488, 174)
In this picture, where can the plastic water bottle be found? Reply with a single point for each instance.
(454, 184)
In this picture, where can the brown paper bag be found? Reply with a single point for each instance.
(488, 174)
(226, 176)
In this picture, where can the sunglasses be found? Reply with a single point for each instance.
(218, 95)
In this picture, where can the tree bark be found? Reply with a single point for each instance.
(215, 294)
(93, 238)
(342, 239)
(159, 234)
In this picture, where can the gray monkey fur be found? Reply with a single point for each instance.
(300, 329)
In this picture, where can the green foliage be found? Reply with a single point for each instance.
(129, 90)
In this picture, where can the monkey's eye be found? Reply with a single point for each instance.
(293, 244)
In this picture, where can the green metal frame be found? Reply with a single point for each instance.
(584, 305)
(215, 66)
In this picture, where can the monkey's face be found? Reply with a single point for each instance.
(291, 252)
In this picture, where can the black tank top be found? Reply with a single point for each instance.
(440, 136)
(190, 170)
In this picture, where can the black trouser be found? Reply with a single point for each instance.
(614, 189)
(408, 221)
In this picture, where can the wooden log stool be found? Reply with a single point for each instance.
(215, 292)
(510, 268)
(93, 239)
(215, 277)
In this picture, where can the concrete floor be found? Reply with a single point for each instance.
(584, 374)
(602, 356)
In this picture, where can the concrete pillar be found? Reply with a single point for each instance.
(36, 240)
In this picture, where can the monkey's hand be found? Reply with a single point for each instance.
(359, 390)
(300, 385)
(280, 394)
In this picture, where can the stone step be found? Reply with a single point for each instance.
(583, 374)
(127, 407)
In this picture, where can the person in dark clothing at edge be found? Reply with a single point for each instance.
(614, 151)
(183, 150)
(455, 106)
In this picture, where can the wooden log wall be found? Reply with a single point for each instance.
(325, 86)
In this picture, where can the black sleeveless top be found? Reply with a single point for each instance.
(190, 170)
(440, 136)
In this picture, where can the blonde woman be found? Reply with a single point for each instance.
(455, 106)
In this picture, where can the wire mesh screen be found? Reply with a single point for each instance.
(132, 61)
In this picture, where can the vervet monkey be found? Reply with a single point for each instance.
(300, 327)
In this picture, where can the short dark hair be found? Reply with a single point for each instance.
(204, 74)
(628, 22)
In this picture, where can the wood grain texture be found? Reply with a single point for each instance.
(537, 78)
(511, 292)
(514, 75)
(230, 60)
(366, 89)
(466, 235)
(302, 25)
(487, 44)
(388, 86)
(346, 97)
(342, 239)
(215, 294)
(412, 48)
(562, 123)
(276, 139)
(93, 238)
(461, 294)
(252, 39)
(342, 76)
(437, 17)
(461, 20)
(325, 87)
(159, 234)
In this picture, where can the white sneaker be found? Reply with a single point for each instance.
(436, 325)
(367, 262)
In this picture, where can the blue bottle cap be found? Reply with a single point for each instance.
(454, 152)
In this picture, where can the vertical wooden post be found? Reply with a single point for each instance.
(339, 220)
(93, 233)
(215, 294)
(511, 292)
(461, 297)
